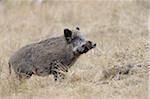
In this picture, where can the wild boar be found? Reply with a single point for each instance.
(50, 56)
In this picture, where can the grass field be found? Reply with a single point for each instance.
(116, 69)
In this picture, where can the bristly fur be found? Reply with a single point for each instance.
(50, 56)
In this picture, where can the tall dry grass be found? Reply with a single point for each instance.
(120, 29)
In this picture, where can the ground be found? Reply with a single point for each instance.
(116, 69)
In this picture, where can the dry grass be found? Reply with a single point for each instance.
(120, 30)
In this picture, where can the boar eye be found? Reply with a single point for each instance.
(89, 42)
(77, 28)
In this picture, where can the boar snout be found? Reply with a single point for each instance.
(86, 47)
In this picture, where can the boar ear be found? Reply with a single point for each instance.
(68, 35)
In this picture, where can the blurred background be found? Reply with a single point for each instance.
(119, 27)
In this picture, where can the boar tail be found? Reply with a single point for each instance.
(9, 68)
